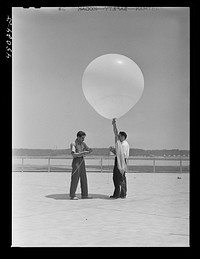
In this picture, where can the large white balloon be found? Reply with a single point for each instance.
(112, 84)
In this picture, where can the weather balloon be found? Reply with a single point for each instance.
(112, 84)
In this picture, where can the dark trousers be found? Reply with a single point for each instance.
(119, 181)
(78, 171)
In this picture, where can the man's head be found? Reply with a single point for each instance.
(81, 136)
(122, 136)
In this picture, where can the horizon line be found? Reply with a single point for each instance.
(103, 148)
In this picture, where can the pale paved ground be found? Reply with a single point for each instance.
(155, 213)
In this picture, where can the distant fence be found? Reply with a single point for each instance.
(102, 164)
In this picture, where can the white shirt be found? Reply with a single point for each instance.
(125, 147)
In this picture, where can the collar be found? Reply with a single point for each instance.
(78, 142)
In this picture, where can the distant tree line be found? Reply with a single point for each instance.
(99, 152)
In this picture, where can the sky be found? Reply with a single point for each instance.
(51, 50)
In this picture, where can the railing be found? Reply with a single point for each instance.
(103, 158)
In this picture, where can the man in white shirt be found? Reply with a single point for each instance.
(121, 152)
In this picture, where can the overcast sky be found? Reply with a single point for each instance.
(51, 50)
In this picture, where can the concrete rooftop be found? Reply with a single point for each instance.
(154, 214)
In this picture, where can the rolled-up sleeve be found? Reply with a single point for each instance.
(72, 147)
(125, 146)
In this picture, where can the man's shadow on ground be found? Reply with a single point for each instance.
(65, 196)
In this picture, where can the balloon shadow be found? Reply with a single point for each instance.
(65, 196)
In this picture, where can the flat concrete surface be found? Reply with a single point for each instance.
(154, 214)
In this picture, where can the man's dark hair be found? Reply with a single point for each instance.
(80, 133)
(122, 133)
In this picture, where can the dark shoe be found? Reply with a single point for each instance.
(113, 197)
(124, 197)
(86, 197)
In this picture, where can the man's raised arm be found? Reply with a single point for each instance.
(115, 129)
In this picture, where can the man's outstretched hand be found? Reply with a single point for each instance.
(113, 121)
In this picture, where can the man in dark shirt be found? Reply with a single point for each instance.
(79, 150)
